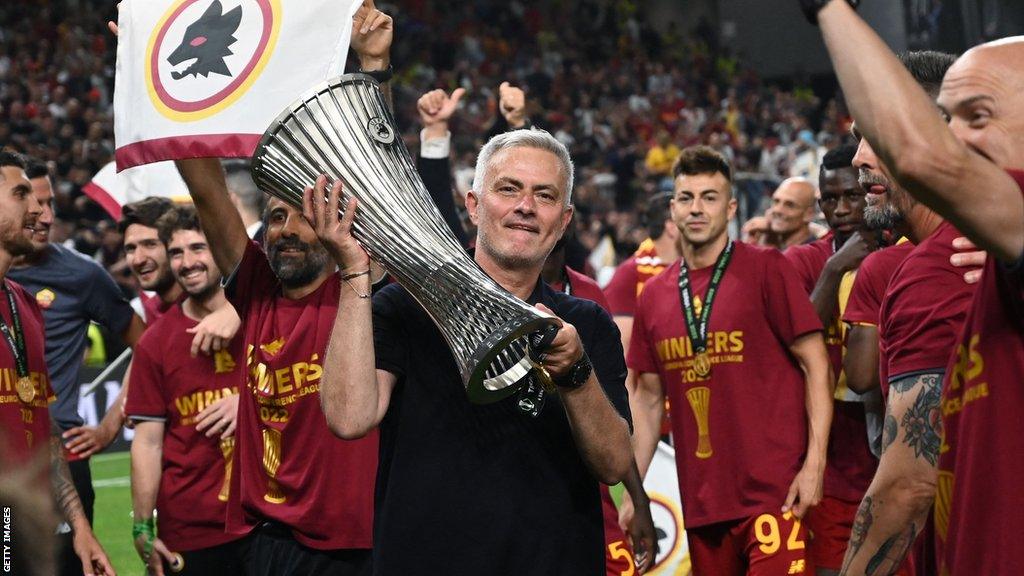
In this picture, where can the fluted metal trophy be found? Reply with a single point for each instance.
(344, 129)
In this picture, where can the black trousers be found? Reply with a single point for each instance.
(225, 559)
(275, 552)
(68, 563)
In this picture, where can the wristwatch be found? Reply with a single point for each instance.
(577, 375)
(381, 76)
(812, 7)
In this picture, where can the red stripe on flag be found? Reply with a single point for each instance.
(105, 200)
(178, 147)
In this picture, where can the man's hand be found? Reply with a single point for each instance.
(215, 331)
(852, 253)
(84, 441)
(155, 560)
(436, 107)
(968, 256)
(372, 33)
(334, 234)
(94, 559)
(564, 351)
(643, 536)
(512, 104)
(219, 417)
(806, 490)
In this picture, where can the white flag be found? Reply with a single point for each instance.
(112, 190)
(201, 78)
(662, 486)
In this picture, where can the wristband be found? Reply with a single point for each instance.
(146, 528)
(381, 76)
(812, 7)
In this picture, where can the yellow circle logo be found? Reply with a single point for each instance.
(203, 56)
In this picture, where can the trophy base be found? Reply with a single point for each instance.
(502, 361)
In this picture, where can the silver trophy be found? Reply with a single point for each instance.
(344, 129)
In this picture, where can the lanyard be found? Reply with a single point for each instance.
(698, 330)
(15, 341)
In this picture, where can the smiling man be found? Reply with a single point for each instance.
(729, 335)
(518, 493)
(792, 212)
(181, 461)
(72, 290)
(26, 430)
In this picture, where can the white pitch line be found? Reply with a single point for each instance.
(112, 482)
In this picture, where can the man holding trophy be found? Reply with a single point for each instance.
(480, 489)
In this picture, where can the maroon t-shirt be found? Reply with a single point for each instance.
(872, 281)
(24, 426)
(850, 465)
(630, 277)
(742, 431)
(923, 310)
(290, 467)
(979, 502)
(171, 386)
(154, 307)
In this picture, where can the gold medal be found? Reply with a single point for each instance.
(702, 364)
(26, 390)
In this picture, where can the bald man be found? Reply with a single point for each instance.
(792, 211)
(971, 172)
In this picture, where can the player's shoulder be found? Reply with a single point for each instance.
(21, 293)
(157, 335)
(72, 260)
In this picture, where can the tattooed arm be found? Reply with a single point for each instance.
(896, 504)
(94, 559)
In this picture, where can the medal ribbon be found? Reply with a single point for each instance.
(16, 341)
(698, 331)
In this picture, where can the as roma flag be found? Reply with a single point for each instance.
(201, 78)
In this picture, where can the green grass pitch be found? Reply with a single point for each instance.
(113, 511)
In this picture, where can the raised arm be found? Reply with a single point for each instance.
(912, 139)
(354, 395)
(435, 109)
(902, 492)
(221, 221)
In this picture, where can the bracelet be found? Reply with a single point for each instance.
(348, 277)
(145, 528)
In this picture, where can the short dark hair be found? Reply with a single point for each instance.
(145, 212)
(175, 219)
(658, 210)
(928, 67)
(36, 169)
(836, 158)
(701, 160)
(11, 158)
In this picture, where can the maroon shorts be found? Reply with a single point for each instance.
(767, 544)
(830, 523)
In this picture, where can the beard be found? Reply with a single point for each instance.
(882, 217)
(297, 272)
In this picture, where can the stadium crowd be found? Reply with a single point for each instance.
(840, 412)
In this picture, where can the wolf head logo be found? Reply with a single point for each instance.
(207, 41)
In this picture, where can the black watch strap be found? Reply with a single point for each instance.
(812, 7)
(577, 375)
(381, 76)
